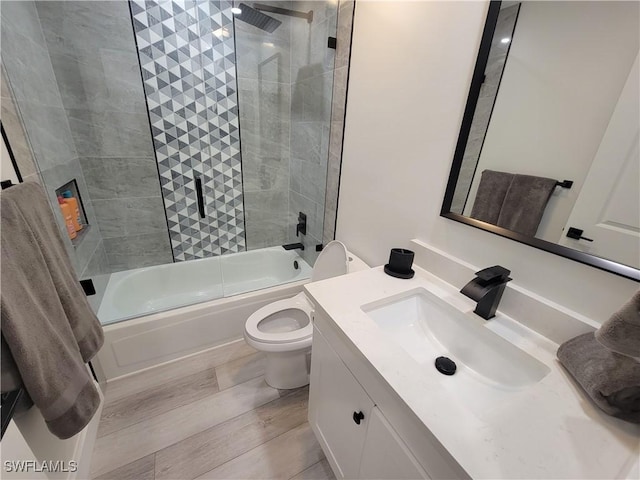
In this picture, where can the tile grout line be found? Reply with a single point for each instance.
(304, 469)
(228, 420)
(257, 446)
(210, 428)
(173, 364)
(167, 411)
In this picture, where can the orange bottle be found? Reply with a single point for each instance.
(75, 211)
(68, 218)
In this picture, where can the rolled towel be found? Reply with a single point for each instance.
(621, 333)
(611, 380)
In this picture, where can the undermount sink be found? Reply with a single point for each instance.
(427, 327)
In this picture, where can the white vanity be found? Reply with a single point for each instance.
(380, 409)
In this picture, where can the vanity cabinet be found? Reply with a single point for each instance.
(358, 440)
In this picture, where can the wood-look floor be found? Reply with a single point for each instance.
(206, 416)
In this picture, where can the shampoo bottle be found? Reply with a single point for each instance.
(68, 218)
(70, 200)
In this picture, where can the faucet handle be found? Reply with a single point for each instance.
(496, 273)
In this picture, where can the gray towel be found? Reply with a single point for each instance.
(490, 195)
(611, 380)
(621, 333)
(524, 203)
(47, 322)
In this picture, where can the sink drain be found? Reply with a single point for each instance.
(445, 365)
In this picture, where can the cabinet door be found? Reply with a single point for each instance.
(385, 456)
(334, 397)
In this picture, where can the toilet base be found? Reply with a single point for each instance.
(286, 370)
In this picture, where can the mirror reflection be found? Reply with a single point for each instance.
(553, 148)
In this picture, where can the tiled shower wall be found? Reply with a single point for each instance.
(312, 67)
(187, 54)
(292, 103)
(40, 110)
(93, 54)
(264, 89)
(338, 108)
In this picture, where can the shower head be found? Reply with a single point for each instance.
(257, 19)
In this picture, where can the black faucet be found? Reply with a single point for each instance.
(293, 246)
(301, 227)
(487, 289)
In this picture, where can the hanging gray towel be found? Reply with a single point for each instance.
(610, 379)
(621, 333)
(524, 204)
(47, 322)
(490, 195)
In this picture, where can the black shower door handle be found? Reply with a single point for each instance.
(199, 196)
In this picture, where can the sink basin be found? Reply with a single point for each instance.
(427, 327)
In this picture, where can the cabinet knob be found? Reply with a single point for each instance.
(358, 417)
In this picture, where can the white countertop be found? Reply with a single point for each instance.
(548, 430)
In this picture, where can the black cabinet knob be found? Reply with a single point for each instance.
(358, 417)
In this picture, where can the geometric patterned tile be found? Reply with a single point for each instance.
(187, 55)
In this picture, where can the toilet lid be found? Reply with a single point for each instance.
(331, 262)
(299, 303)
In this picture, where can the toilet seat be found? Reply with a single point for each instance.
(301, 335)
(288, 348)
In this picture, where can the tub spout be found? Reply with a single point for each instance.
(293, 246)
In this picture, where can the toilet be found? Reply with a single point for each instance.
(283, 329)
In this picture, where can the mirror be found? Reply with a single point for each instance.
(548, 149)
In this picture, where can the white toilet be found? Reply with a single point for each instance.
(283, 329)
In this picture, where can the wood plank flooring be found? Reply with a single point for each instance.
(210, 415)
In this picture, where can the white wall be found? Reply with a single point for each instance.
(560, 85)
(411, 67)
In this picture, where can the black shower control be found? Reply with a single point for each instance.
(301, 228)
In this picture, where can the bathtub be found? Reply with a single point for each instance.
(185, 308)
(142, 291)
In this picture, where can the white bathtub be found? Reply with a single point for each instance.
(164, 330)
(143, 291)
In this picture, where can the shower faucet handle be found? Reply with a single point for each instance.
(301, 227)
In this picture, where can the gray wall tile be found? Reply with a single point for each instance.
(98, 263)
(15, 132)
(84, 27)
(138, 251)
(306, 141)
(265, 173)
(265, 223)
(25, 55)
(121, 177)
(103, 134)
(109, 81)
(48, 131)
(345, 25)
(39, 105)
(313, 210)
(120, 217)
(94, 57)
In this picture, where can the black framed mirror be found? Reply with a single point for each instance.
(547, 153)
